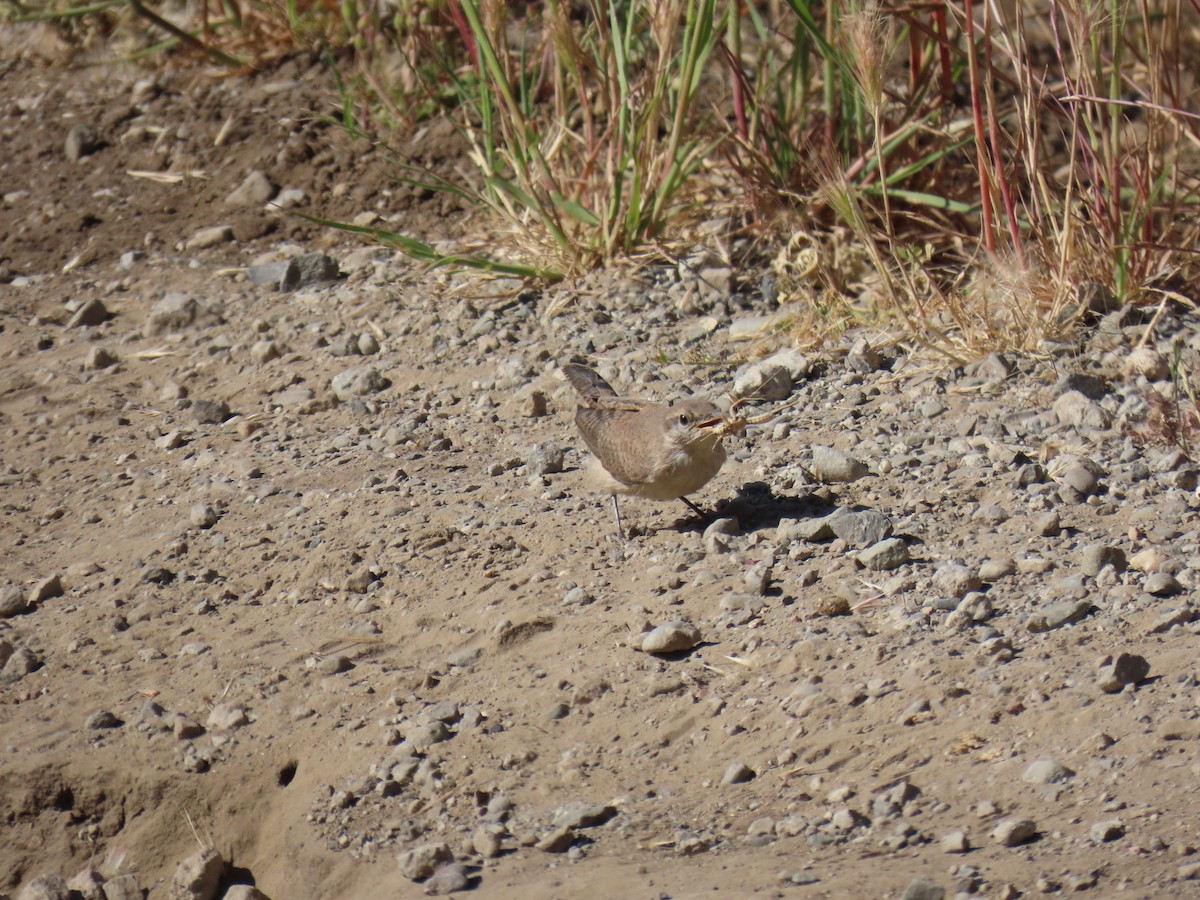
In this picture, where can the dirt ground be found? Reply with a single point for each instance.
(316, 626)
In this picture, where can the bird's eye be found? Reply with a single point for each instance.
(684, 420)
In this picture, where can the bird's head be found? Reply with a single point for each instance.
(693, 422)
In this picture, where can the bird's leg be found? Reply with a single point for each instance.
(697, 510)
(617, 516)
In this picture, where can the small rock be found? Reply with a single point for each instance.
(557, 841)
(955, 842)
(422, 861)
(1011, 832)
(1147, 362)
(87, 885)
(545, 458)
(1074, 409)
(1127, 668)
(82, 140)
(863, 358)
(585, 815)
(45, 887)
(738, 773)
(307, 270)
(174, 312)
(671, 637)
(716, 536)
(227, 716)
(1056, 615)
(486, 843)
(255, 190)
(265, 351)
(1046, 771)
(198, 877)
(92, 312)
(1162, 584)
(922, 889)
(123, 887)
(833, 466)
(1095, 557)
(956, 580)
(1048, 524)
(204, 515)
(210, 412)
(99, 358)
(860, 529)
(830, 605)
(887, 554)
(267, 274)
(764, 380)
(102, 719)
(333, 665)
(357, 382)
(367, 345)
(448, 879)
(1083, 476)
(1104, 832)
(12, 601)
(209, 237)
(46, 589)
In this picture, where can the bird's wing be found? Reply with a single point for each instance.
(587, 382)
(602, 431)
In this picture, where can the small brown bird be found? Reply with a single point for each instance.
(647, 449)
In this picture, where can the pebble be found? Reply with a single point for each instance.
(557, 840)
(956, 580)
(255, 190)
(357, 382)
(860, 529)
(1056, 615)
(486, 843)
(738, 773)
(955, 842)
(421, 861)
(1127, 668)
(545, 458)
(1104, 832)
(173, 313)
(716, 536)
(82, 141)
(1147, 362)
(671, 637)
(46, 589)
(99, 358)
(227, 716)
(887, 554)
(209, 237)
(1046, 771)
(12, 601)
(198, 877)
(102, 719)
(1162, 584)
(265, 351)
(203, 515)
(91, 312)
(1073, 409)
(1095, 557)
(832, 466)
(309, 270)
(922, 889)
(1048, 524)
(1011, 832)
(334, 665)
(585, 815)
(45, 887)
(864, 358)
(210, 412)
(448, 879)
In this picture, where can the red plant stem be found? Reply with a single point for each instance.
(985, 185)
(997, 157)
(943, 33)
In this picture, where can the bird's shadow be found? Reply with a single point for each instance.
(756, 506)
